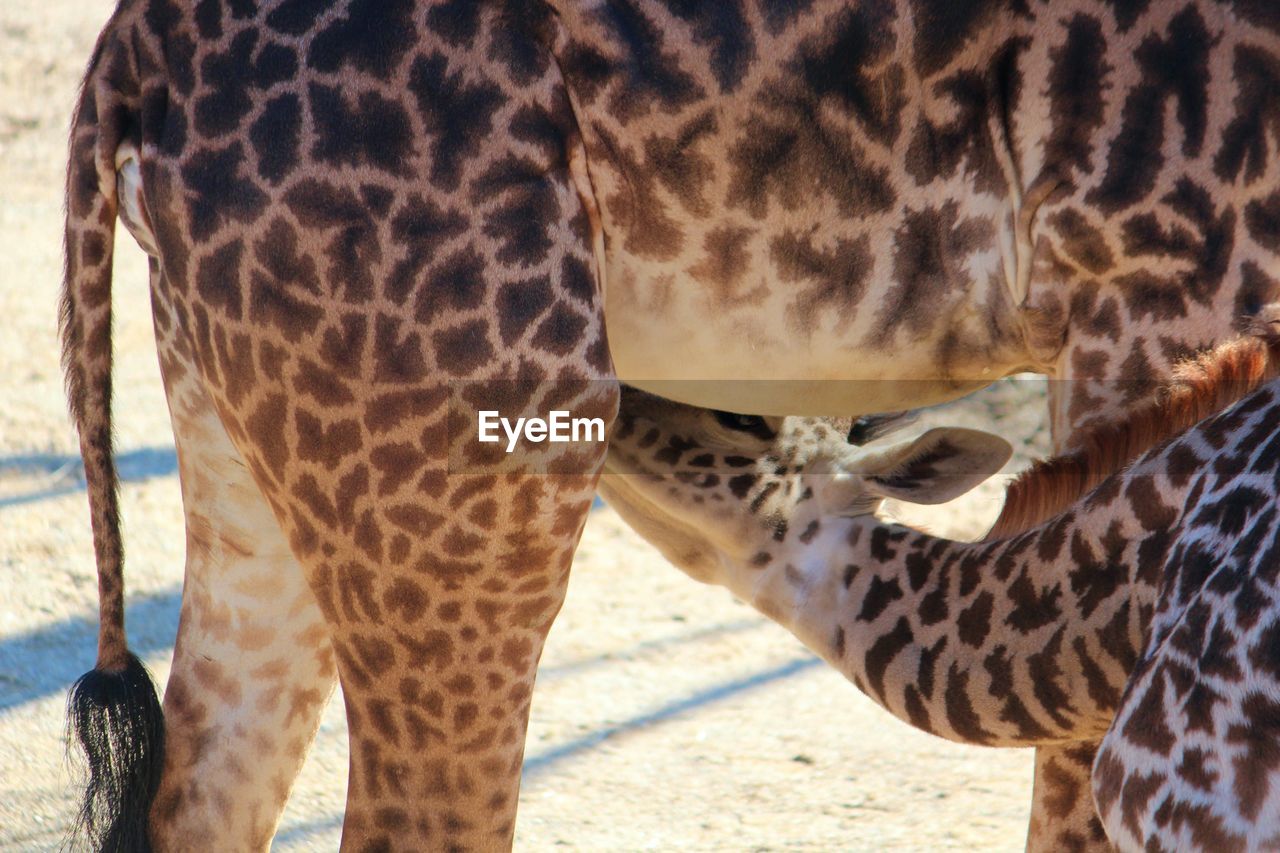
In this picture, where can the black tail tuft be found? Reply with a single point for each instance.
(118, 721)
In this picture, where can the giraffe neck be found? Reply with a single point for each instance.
(1022, 641)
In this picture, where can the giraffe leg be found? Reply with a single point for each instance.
(1063, 816)
(438, 672)
(253, 665)
(1063, 813)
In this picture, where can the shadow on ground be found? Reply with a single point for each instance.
(46, 660)
(540, 762)
(66, 473)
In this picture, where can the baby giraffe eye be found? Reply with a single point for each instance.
(753, 424)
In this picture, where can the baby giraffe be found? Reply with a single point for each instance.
(1145, 613)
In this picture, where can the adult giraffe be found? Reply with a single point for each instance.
(363, 216)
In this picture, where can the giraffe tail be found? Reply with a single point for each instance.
(112, 711)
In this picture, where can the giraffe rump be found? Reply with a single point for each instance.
(1200, 386)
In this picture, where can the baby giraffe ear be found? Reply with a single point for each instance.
(940, 465)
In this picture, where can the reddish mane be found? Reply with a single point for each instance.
(1199, 387)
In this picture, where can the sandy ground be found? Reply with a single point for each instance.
(667, 716)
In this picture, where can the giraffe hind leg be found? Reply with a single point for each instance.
(253, 666)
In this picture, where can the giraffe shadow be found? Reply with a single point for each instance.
(63, 474)
(537, 764)
(46, 660)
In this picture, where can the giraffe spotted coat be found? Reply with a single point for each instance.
(367, 217)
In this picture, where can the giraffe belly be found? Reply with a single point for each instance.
(733, 363)
(777, 231)
(820, 316)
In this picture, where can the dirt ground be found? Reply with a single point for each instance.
(667, 715)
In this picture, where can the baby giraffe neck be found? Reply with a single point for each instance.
(1023, 641)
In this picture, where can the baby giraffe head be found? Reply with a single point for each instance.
(715, 491)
